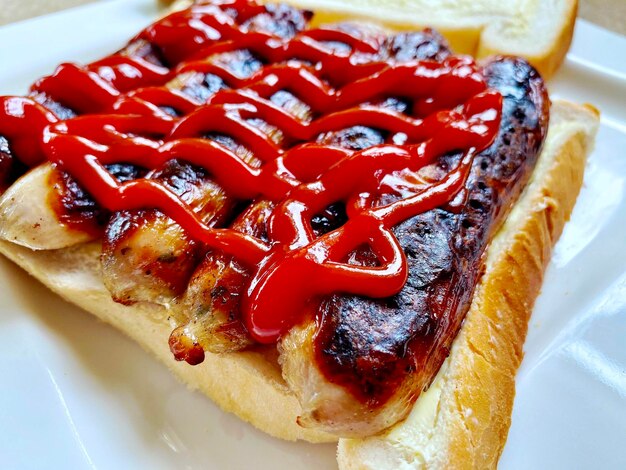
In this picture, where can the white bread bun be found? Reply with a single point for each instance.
(540, 31)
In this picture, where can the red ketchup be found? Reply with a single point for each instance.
(126, 124)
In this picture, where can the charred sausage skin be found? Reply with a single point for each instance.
(374, 347)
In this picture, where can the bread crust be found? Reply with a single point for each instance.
(466, 420)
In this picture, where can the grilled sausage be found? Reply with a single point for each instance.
(358, 364)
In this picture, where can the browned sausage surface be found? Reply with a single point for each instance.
(372, 347)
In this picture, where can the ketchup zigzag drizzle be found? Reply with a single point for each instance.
(455, 113)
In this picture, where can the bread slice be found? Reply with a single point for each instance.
(463, 419)
(541, 31)
(465, 415)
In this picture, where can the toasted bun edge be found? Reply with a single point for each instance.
(462, 421)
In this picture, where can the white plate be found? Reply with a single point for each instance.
(76, 394)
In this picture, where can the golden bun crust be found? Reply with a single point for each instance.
(462, 421)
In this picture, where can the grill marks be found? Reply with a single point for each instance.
(427, 44)
(10, 167)
(380, 348)
(280, 20)
(75, 208)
